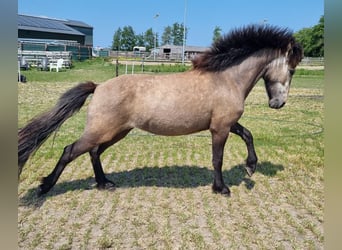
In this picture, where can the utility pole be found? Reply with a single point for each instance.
(184, 33)
(155, 39)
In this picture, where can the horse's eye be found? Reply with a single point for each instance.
(292, 71)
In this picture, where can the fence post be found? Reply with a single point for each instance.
(19, 78)
(117, 67)
(133, 67)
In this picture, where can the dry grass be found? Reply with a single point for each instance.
(163, 198)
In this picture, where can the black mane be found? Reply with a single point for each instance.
(241, 43)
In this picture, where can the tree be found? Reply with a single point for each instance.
(116, 45)
(217, 33)
(312, 39)
(174, 34)
(128, 38)
(177, 33)
(303, 36)
(149, 39)
(125, 38)
(167, 35)
(318, 38)
(140, 40)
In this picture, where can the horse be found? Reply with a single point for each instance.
(209, 96)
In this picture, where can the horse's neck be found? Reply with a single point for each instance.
(247, 73)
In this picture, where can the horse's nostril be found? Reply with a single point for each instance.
(276, 103)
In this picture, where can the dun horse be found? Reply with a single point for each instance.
(210, 96)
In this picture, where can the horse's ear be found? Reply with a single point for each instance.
(296, 54)
(289, 48)
(298, 49)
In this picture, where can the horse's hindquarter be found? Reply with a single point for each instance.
(109, 109)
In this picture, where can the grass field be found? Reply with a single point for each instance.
(163, 198)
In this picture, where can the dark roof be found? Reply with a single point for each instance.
(46, 24)
(76, 23)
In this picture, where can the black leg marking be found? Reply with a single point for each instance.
(95, 153)
(218, 143)
(247, 137)
(70, 153)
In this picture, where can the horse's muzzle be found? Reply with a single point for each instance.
(275, 103)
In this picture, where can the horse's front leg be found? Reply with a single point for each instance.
(218, 142)
(246, 136)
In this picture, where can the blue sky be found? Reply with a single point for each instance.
(106, 16)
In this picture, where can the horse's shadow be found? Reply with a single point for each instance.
(165, 176)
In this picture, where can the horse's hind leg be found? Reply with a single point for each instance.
(246, 135)
(95, 153)
(102, 181)
(70, 153)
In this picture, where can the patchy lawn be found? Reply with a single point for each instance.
(163, 198)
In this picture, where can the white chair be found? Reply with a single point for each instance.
(57, 65)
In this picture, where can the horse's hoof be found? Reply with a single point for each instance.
(250, 171)
(108, 185)
(250, 168)
(225, 191)
(219, 190)
(42, 188)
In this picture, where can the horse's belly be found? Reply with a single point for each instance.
(173, 124)
(171, 111)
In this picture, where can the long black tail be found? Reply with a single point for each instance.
(32, 136)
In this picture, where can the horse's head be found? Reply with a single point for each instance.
(278, 75)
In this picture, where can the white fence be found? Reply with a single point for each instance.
(312, 61)
(34, 58)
